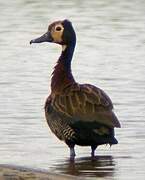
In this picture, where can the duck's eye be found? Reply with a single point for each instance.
(58, 28)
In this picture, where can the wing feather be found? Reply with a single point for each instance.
(86, 103)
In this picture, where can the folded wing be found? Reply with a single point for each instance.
(85, 103)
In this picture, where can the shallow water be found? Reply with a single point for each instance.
(109, 54)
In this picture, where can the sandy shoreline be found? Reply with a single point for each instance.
(21, 173)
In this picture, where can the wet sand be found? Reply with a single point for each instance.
(21, 173)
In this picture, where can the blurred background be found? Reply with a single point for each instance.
(109, 54)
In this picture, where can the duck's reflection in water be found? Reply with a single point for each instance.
(100, 166)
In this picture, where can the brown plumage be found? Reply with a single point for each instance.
(79, 114)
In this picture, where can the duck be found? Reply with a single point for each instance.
(78, 114)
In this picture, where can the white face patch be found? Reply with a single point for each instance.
(64, 47)
(57, 32)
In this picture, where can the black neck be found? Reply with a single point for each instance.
(66, 56)
(62, 72)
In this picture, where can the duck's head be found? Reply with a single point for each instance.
(60, 32)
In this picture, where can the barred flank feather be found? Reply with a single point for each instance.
(82, 112)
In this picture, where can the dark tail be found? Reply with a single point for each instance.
(113, 140)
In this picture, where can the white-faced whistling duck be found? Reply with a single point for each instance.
(78, 114)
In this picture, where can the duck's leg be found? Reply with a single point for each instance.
(72, 151)
(93, 147)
